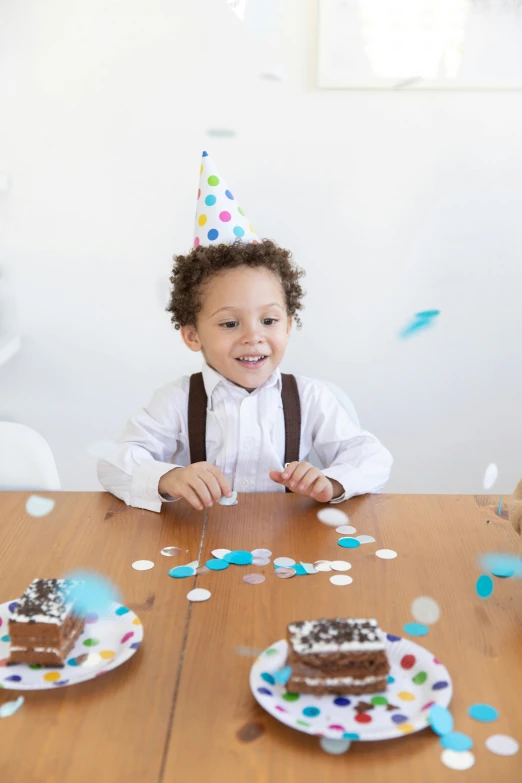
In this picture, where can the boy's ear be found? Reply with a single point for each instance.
(190, 338)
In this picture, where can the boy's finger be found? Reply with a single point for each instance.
(199, 486)
(213, 485)
(320, 487)
(308, 479)
(192, 498)
(222, 480)
(289, 469)
(299, 472)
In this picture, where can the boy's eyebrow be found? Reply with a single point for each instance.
(263, 307)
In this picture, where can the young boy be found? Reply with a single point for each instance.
(240, 423)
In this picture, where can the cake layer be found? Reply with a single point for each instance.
(367, 661)
(42, 634)
(333, 642)
(349, 669)
(45, 601)
(336, 686)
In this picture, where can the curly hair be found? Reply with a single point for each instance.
(191, 271)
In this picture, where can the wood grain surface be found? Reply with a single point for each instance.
(220, 733)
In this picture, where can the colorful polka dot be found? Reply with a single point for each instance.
(302, 723)
(107, 654)
(210, 201)
(290, 696)
(379, 700)
(91, 642)
(390, 679)
(336, 727)
(12, 606)
(205, 154)
(5, 638)
(281, 709)
(428, 705)
(199, 192)
(271, 651)
(251, 229)
(440, 685)
(238, 231)
(240, 211)
(229, 195)
(91, 619)
(268, 678)
(420, 678)
(13, 678)
(363, 717)
(196, 241)
(213, 234)
(125, 638)
(135, 645)
(408, 661)
(406, 728)
(61, 682)
(392, 638)
(35, 665)
(201, 169)
(136, 621)
(350, 736)
(264, 691)
(202, 219)
(213, 180)
(406, 696)
(311, 712)
(121, 610)
(342, 702)
(52, 676)
(225, 216)
(399, 719)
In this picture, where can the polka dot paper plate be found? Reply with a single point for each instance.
(104, 644)
(417, 680)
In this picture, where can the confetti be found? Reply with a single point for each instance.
(502, 565)
(286, 562)
(283, 675)
(341, 579)
(502, 745)
(455, 740)
(253, 579)
(261, 553)
(171, 551)
(309, 568)
(456, 759)
(386, 554)
(346, 530)
(440, 719)
(334, 746)
(483, 713)
(202, 570)
(261, 561)
(332, 517)
(231, 501)
(92, 593)
(365, 539)
(199, 594)
(499, 508)
(284, 573)
(239, 557)
(340, 565)
(423, 320)
(143, 565)
(220, 553)
(490, 476)
(193, 565)
(349, 543)
(10, 707)
(484, 586)
(180, 572)
(322, 565)
(37, 506)
(217, 565)
(425, 610)
(416, 629)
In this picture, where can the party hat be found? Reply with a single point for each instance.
(219, 218)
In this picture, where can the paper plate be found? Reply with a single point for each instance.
(104, 644)
(417, 680)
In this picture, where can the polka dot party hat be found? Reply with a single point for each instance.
(219, 218)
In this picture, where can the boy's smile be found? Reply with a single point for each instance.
(243, 326)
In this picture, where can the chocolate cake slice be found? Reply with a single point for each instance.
(337, 656)
(44, 627)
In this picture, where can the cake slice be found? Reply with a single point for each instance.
(337, 656)
(43, 627)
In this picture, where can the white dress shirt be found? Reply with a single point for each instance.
(245, 440)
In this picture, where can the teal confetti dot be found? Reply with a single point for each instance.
(239, 557)
(217, 565)
(121, 610)
(311, 712)
(441, 720)
(5, 638)
(349, 736)
(455, 740)
(268, 678)
(299, 569)
(484, 713)
(283, 675)
(349, 543)
(484, 586)
(181, 571)
(416, 629)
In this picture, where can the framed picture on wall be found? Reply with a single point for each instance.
(420, 44)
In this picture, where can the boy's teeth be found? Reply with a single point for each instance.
(250, 359)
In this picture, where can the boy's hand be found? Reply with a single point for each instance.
(199, 483)
(305, 479)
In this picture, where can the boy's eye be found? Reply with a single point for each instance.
(229, 324)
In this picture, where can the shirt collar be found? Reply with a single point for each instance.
(212, 378)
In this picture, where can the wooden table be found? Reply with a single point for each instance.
(181, 708)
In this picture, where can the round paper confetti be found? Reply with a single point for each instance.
(200, 570)
(441, 720)
(455, 740)
(143, 565)
(425, 610)
(502, 565)
(346, 530)
(416, 629)
(284, 573)
(322, 565)
(217, 565)
(490, 476)
(261, 553)
(37, 506)
(332, 517)
(341, 579)
(10, 707)
(286, 562)
(349, 543)
(171, 551)
(455, 759)
(220, 553)
(309, 568)
(386, 554)
(334, 746)
(484, 586)
(239, 557)
(483, 713)
(253, 579)
(502, 745)
(181, 571)
(366, 539)
(260, 561)
(340, 565)
(232, 500)
(92, 593)
(199, 594)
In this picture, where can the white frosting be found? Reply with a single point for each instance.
(370, 641)
(337, 680)
(35, 649)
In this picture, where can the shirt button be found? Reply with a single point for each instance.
(245, 483)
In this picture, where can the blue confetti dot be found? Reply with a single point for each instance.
(299, 569)
(455, 740)
(484, 586)
(349, 543)
(13, 678)
(239, 557)
(391, 679)
(427, 314)
(349, 736)
(398, 719)
(229, 195)
(213, 234)
(205, 154)
(238, 231)
(283, 675)
(122, 610)
(181, 571)
(441, 719)
(502, 565)
(217, 565)
(440, 685)
(61, 682)
(135, 645)
(210, 201)
(311, 712)
(392, 638)
(483, 712)
(264, 691)
(268, 678)
(342, 702)
(416, 629)
(5, 638)
(92, 593)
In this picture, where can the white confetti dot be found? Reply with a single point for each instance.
(340, 565)
(37, 506)
(194, 564)
(220, 553)
(334, 746)
(260, 561)
(199, 594)
(332, 517)
(341, 579)
(365, 539)
(286, 562)
(386, 554)
(425, 610)
(457, 759)
(502, 745)
(261, 553)
(346, 530)
(231, 501)
(143, 565)
(322, 565)
(490, 476)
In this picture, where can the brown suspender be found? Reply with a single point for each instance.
(197, 418)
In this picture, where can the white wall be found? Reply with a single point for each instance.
(393, 203)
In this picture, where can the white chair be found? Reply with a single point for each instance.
(349, 408)
(26, 460)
